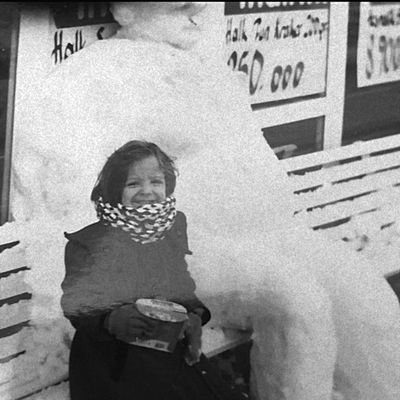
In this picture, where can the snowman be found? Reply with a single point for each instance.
(320, 314)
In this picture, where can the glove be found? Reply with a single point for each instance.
(193, 333)
(126, 323)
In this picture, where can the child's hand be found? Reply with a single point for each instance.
(127, 323)
(193, 335)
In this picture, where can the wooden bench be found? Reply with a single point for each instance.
(217, 340)
(350, 193)
(15, 328)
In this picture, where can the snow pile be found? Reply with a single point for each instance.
(253, 265)
(46, 341)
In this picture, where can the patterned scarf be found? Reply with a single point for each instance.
(145, 224)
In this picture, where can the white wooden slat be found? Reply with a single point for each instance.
(339, 232)
(340, 153)
(11, 390)
(22, 379)
(9, 232)
(5, 379)
(17, 371)
(12, 258)
(323, 217)
(13, 314)
(346, 171)
(377, 225)
(13, 285)
(379, 199)
(13, 344)
(351, 200)
(217, 340)
(332, 193)
(59, 391)
(26, 382)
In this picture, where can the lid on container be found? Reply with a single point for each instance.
(162, 310)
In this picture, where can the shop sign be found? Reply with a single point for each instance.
(65, 42)
(74, 26)
(378, 50)
(282, 47)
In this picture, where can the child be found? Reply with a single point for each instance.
(136, 250)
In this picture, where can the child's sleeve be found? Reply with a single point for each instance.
(198, 308)
(181, 232)
(76, 293)
(193, 305)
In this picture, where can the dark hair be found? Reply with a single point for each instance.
(112, 178)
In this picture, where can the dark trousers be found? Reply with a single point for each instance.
(114, 370)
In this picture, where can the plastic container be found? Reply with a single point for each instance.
(171, 317)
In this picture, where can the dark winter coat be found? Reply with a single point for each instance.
(104, 268)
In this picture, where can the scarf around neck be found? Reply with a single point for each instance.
(145, 224)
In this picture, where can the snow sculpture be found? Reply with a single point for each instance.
(317, 309)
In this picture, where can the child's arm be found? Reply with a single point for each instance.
(75, 298)
(193, 333)
(195, 306)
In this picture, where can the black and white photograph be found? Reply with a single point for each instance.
(200, 200)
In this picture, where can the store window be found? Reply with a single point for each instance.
(296, 138)
(67, 14)
(8, 52)
(282, 47)
(372, 98)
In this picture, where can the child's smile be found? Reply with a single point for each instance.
(145, 184)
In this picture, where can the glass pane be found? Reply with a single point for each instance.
(372, 97)
(296, 138)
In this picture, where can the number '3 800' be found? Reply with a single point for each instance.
(281, 77)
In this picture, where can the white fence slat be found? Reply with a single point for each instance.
(13, 285)
(13, 344)
(9, 232)
(12, 258)
(28, 383)
(13, 314)
(340, 153)
(18, 371)
(15, 388)
(59, 392)
(345, 171)
(332, 193)
(319, 218)
(346, 208)
(216, 340)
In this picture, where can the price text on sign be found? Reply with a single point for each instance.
(378, 51)
(283, 52)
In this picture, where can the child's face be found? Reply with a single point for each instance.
(145, 183)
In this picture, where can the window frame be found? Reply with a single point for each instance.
(6, 173)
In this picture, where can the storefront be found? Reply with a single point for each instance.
(320, 77)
